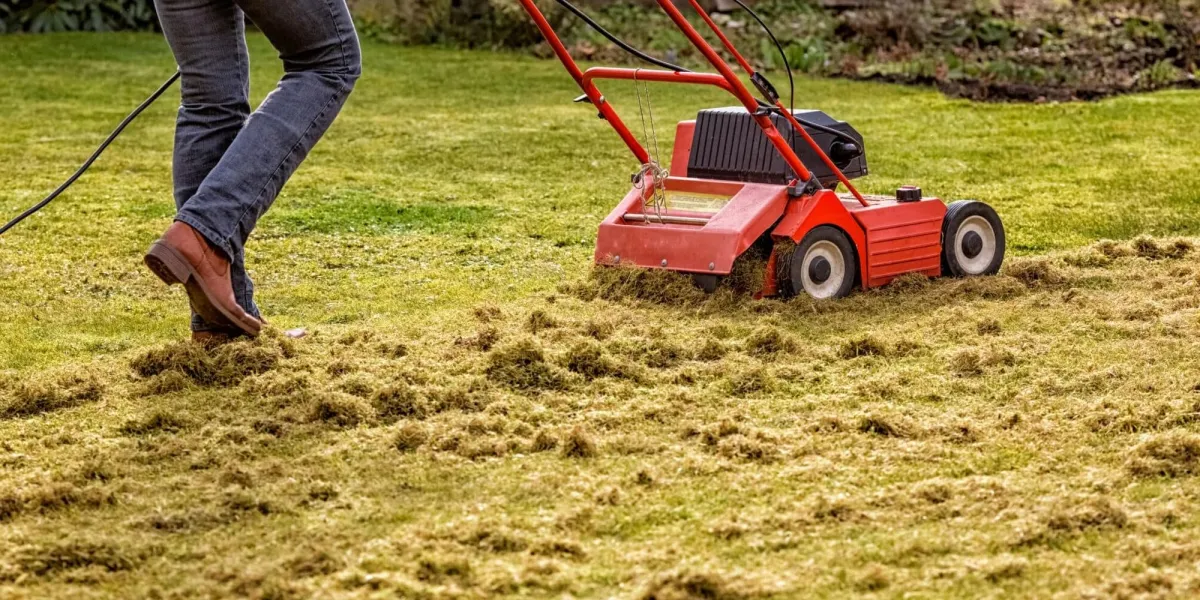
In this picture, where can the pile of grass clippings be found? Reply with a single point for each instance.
(222, 365)
(1033, 419)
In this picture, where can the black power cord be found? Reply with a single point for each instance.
(86, 165)
(782, 54)
(620, 44)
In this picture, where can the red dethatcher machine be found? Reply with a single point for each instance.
(764, 174)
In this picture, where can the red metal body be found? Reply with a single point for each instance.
(890, 238)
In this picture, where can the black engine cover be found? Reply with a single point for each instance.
(728, 145)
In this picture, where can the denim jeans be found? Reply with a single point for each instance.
(229, 164)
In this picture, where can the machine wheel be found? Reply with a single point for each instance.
(823, 265)
(972, 239)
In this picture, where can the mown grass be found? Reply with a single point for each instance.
(475, 414)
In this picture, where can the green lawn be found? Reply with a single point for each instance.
(473, 416)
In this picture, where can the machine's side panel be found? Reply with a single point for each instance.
(822, 208)
(902, 237)
(683, 148)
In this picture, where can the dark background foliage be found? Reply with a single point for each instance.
(982, 49)
(43, 16)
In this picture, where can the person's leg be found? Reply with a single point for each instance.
(207, 38)
(321, 58)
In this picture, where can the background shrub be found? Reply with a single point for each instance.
(44, 16)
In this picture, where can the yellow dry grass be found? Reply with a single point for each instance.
(1029, 434)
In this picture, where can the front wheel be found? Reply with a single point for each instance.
(972, 239)
(823, 265)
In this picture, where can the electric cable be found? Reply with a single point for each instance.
(782, 54)
(620, 43)
(103, 146)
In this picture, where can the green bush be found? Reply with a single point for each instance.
(44, 16)
(462, 23)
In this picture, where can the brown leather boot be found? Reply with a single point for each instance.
(183, 256)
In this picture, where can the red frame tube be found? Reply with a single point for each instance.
(593, 94)
(721, 35)
(739, 90)
(656, 75)
(727, 80)
(787, 113)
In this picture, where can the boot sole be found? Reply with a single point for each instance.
(171, 268)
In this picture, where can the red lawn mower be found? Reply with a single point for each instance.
(761, 173)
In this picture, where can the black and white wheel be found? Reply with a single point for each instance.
(823, 265)
(972, 239)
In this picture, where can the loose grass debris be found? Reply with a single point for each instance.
(365, 493)
(751, 381)
(768, 341)
(522, 365)
(692, 584)
(589, 359)
(56, 391)
(886, 425)
(159, 421)
(579, 443)
(1095, 512)
(222, 366)
(540, 320)
(658, 286)
(341, 410)
(52, 559)
(399, 400)
(410, 436)
(544, 441)
(1034, 272)
(862, 345)
(1171, 454)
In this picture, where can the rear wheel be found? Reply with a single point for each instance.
(972, 239)
(823, 265)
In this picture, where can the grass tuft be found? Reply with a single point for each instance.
(168, 382)
(885, 425)
(540, 320)
(544, 441)
(1034, 272)
(1171, 454)
(873, 578)
(650, 285)
(159, 421)
(751, 381)
(341, 410)
(579, 443)
(863, 345)
(908, 283)
(587, 358)
(399, 400)
(988, 326)
(966, 363)
(522, 365)
(55, 558)
(224, 365)
(768, 341)
(409, 437)
(56, 391)
(690, 584)
(1096, 512)
(712, 350)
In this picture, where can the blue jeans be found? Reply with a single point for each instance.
(229, 164)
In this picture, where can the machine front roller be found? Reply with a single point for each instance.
(972, 239)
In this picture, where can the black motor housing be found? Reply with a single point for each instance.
(728, 145)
